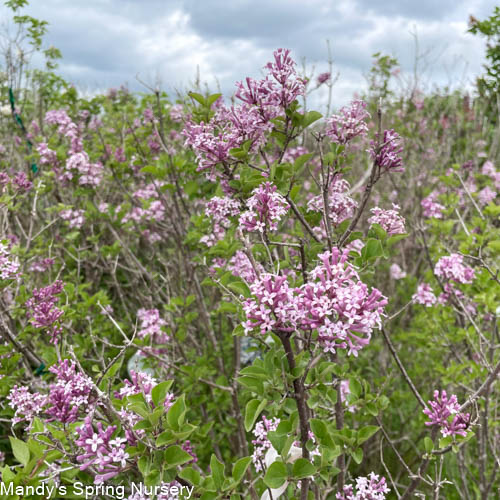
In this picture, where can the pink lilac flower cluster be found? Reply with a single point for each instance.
(262, 100)
(424, 295)
(367, 488)
(106, 455)
(275, 305)
(445, 412)
(390, 220)
(177, 113)
(349, 123)
(75, 218)
(451, 268)
(70, 393)
(219, 209)
(340, 205)
(41, 265)
(141, 383)
(486, 196)
(90, 173)
(339, 305)
(289, 87)
(266, 207)
(240, 266)
(430, 207)
(387, 154)
(4, 181)
(335, 302)
(151, 325)
(66, 127)
(42, 309)
(323, 78)
(490, 170)
(152, 208)
(261, 442)
(26, 404)
(396, 272)
(21, 182)
(9, 266)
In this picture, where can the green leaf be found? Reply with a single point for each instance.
(429, 445)
(310, 117)
(301, 161)
(357, 455)
(164, 438)
(175, 414)
(20, 450)
(198, 97)
(276, 475)
(252, 411)
(372, 250)
(303, 468)
(446, 441)
(159, 392)
(211, 99)
(153, 478)
(217, 469)
(240, 467)
(395, 238)
(366, 433)
(175, 455)
(190, 475)
(240, 288)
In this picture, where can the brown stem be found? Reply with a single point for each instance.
(300, 399)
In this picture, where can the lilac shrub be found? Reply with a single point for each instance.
(246, 298)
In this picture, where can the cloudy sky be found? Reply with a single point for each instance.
(108, 42)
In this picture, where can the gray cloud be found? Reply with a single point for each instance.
(107, 42)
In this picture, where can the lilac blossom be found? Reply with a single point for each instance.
(334, 301)
(431, 208)
(141, 383)
(75, 218)
(9, 265)
(106, 455)
(339, 305)
(261, 442)
(451, 267)
(42, 309)
(323, 78)
(349, 123)
(266, 207)
(396, 272)
(26, 404)
(367, 488)
(21, 182)
(389, 220)
(424, 295)
(41, 265)
(240, 265)
(151, 325)
(274, 307)
(219, 209)
(70, 393)
(486, 196)
(340, 205)
(47, 156)
(445, 412)
(387, 154)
